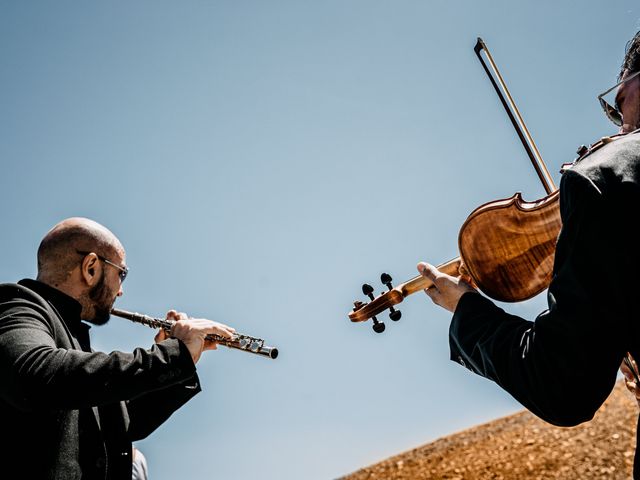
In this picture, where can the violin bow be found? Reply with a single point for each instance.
(515, 117)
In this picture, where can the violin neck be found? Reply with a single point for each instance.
(419, 283)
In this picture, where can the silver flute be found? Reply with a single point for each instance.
(237, 341)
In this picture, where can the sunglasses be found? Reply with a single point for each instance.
(123, 271)
(613, 113)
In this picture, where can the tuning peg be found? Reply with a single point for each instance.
(378, 327)
(386, 279)
(368, 291)
(394, 314)
(357, 305)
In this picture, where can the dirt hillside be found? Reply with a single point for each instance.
(521, 446)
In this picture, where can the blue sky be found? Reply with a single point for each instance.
(260, 161)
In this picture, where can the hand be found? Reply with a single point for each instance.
(193, 332)
(629, 379)
(446, 290)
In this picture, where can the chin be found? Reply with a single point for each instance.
(101, 314)
(100, 318)
(102, 300)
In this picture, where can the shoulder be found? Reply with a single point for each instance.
(17, 298)
(607, 168)
(17, 292)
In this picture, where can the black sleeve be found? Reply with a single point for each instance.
(562, 366)
(149, 411)
(37, 374)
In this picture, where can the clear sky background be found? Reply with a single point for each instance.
(260, 160)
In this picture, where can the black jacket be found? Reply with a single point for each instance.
(564, 365)
(68, 413)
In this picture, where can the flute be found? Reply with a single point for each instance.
(237, 341)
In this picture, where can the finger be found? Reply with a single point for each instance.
(216, 327)
(175, 315)
(429, 271)
(160, 336)
(209, 326)
(222, 330)
(227, 328)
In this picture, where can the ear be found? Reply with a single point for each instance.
(91, 269)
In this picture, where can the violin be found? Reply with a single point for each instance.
(506, 246)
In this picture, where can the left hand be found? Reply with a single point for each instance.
(446, 290)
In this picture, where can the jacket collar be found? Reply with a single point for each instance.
(67, 307)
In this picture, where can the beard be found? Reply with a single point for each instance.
(103, 300)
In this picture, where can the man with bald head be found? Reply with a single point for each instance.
(62, 256)
(66, 411)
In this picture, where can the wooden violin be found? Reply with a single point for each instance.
(506, 246)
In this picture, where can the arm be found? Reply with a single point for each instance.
(38, 373)
(149, 411)
(563, 365)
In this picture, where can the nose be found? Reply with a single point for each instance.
(120, 291)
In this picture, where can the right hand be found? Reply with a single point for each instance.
(629, 379)
(193, 331)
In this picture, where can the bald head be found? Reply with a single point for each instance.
(58, 251)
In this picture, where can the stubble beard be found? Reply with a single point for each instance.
(103, 300)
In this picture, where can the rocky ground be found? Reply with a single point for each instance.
(521, 446)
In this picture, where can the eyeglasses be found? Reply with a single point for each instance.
(124, 271)
(613, 113)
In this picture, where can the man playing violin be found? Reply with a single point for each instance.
(563, 365)
(65, 410)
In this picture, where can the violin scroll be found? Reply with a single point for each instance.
(364, 311)
(386, 301)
